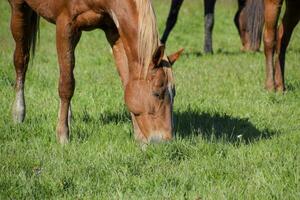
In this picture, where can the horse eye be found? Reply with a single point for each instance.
(136, 114)
(156, 94)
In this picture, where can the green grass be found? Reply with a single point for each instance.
(219, 97)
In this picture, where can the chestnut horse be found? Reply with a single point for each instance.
(276, 41)
(130, 28)
(250, 32)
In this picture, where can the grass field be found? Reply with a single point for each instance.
(233, 139)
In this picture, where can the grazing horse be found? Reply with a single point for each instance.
(276, 41)
(130, 28)
(245, 25)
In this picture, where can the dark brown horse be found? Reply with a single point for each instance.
(130, 28)
(248, 10)
(276, 40)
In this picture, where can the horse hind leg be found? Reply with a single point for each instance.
(289, 21)
(172, 19)
(239, 21)
(22, 31)
(209, 9)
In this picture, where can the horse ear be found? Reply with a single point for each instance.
(173, 57)
(158, 55)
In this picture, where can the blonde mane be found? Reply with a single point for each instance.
(148, 39)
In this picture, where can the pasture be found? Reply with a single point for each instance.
(233, 139)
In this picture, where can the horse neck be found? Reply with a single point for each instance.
(138, 32)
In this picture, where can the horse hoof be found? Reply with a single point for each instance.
(243, 49)
(269, 87)
(280, 89)
(62, 135)
(18, 117)
(208, 51)
(63, 140)
(18, 109)
(18, 114)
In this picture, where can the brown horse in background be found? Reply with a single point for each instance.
(130, 28)
(276, 40)
(247, 14)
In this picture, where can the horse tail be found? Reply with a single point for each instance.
(35, 21)
(254, 12)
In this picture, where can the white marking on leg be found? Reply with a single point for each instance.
(69, 119)
(19, 107)
(62, 130)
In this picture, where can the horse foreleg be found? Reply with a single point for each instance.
(21, 30)
(289, 21)
(172, 18)
(66, 40)
(209, 9)
(272, 11)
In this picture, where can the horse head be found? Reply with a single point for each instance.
(150, 99)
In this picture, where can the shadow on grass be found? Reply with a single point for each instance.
(85, 124)
(293, 85)
(218, 52)
(192, 54)
(294, 49)
(236, 52)
(216, 127)
(189, 123)
(106, 118)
